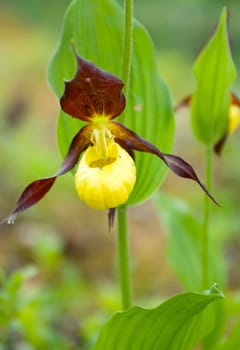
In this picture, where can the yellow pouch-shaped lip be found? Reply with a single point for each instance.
(104, 183)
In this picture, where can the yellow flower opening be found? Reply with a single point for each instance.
(234, 118)
(106, 173)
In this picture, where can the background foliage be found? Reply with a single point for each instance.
(58, 259)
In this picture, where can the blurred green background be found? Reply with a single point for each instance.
(62, 246)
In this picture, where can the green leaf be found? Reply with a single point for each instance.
(214, 71)
(195, 329)
(170, 326)
(219, 311)
(233, 339)
(96, 29)
(184, 244)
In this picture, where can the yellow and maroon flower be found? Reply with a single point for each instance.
(233, 119)
(106, 172)
(233, 123)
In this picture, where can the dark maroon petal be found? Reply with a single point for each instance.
(126, 137)
(92, 91)
(129, 150)
(235, 99)
(218, 147)
(111, 217)
(183, 169)
(34, 192)
(183, 103)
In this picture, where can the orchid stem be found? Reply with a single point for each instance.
(127, 43)
(206, 220)
(123, 257)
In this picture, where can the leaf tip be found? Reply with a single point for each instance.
(224, 13)
(73, 47)
(215, 289)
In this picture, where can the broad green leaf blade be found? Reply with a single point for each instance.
(96, 28)
(184, 244)
(157, 328)
(219, 311)
(195, 329)
(184, 249)
(214, 71)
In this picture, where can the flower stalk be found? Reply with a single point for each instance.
(127, 43)
(123, 258)
(206, 220)
(123, 250)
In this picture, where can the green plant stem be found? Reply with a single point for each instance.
(123, 258)
(205, 236)
(123, 255)
(127, 43)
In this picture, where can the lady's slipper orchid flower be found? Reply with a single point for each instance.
(106, 173)
(233, 123)
(233, 119)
